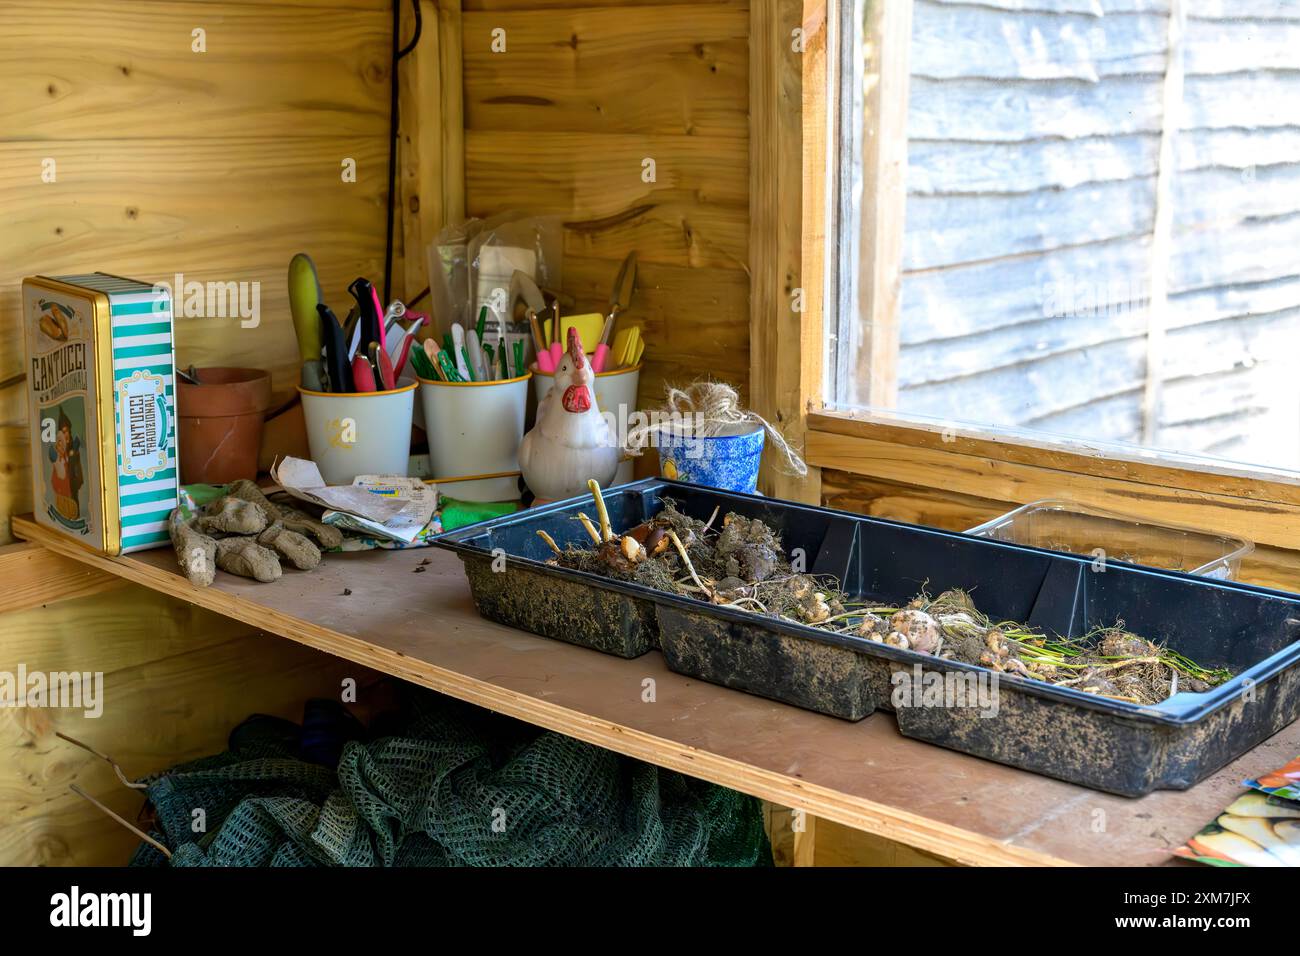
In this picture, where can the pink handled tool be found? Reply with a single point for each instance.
(386, 379)
(557, 347)
(403, 351)
(363, 376)
(400, 339)
(379, 313)
(602, 350)
(619, 299)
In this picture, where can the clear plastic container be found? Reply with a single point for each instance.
(1058, 524)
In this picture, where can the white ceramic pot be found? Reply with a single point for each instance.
(474, 431)
(615, 391)
(359, 433)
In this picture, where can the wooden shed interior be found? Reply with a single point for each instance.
(223, 164)
(212, 138)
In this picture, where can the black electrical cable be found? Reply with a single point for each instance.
(398, 54)
(419, 28)
(419, 296)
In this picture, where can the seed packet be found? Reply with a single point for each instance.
(1283, 782)
(1256, 829)
(411, 523)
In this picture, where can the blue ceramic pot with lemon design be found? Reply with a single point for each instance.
(728, 461)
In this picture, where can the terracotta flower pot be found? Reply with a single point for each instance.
(219, 426)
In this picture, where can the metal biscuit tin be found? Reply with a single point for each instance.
(100, 373)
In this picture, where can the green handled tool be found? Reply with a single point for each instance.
(304, 297)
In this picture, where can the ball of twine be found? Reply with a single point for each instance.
(712, 407)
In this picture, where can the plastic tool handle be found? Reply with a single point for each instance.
(404, 351)
(372, 313)
(474, 353)
(598, 360)
(557, 355)
(544, 362)
(448, 367)
(458, 351)
(422, 364)
(363, 378)
(336, 351)
(384, 365)
(380, 330)
(304, 296)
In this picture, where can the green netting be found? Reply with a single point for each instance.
(449, 785)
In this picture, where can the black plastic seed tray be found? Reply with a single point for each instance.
(1098, 742)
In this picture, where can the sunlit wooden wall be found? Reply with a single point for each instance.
(176, 679)
(221, 165)
(566, 118)
(218, 164)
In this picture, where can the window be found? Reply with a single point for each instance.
(1100, 220)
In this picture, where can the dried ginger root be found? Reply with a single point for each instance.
(750, 548)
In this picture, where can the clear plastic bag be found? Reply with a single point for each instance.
(471, 264)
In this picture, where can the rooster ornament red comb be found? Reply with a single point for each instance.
(571, 442)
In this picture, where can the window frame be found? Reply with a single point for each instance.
(790, 365)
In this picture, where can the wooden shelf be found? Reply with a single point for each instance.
(422, 626)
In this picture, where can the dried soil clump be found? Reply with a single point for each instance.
(749, 549)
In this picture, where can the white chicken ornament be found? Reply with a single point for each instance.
(571, 441)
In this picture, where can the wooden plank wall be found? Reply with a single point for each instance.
(176, 681)
(219, 164)
(1035, 133)
(563, 121)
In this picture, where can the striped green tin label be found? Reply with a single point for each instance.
(144, 409)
